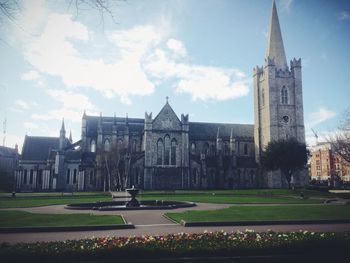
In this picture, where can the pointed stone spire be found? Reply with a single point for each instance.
(63, 130)
(62, 126)
(62, 139)
(275, 48)
(115, 120)
(70, 136)
(84, 114)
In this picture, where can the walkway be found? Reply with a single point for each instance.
(160, 230)
(148, 222)
(136, 217)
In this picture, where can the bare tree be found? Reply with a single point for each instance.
(114, 166)
(9, 9)
(340, 142)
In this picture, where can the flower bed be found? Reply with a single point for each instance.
(182, 244)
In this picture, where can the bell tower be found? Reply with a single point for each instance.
(278, 99)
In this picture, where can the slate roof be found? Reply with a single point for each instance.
(197, 130)
(208, 131)
(71, 155)
(38, 148)
(7, 152)
(135, 124)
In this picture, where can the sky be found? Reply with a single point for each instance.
(57, 61)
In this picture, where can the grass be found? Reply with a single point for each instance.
(258, 213)
(17, 202)
(255, 192)
(26, 219)
(229, 199)
(53, 194)
(250, 196)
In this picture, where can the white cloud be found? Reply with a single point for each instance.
(21, 105)
(122, 78)
(319, 116)
(177, 47)
(30, 125)
(344, 15)
(201, 82)
(322, 136)
(73, 105)
(55, 51)
(31, 75)
(31, 19)
(71, 100)
(70, 115)
(12, 140)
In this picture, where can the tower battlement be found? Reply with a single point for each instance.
(295, 63)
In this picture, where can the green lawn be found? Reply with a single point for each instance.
(259, 196)
(257, 213)
(54, 194)
(229, 199)
(245, 192)
(26, 219)
(9, 202)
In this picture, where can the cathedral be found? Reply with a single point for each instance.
(168, 152)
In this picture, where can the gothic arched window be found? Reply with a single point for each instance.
(91, 179)
(206, 148)
(25, 173)
(262, 97)
(68, 176)
(193, 148)
(167, 150)
(284, 95)
(226, 149)
(245, 149)
(134, 145)
(31, 177)
(75, 176)
(173, 152)
(252, 175)
(93, 146)
(120, 145)
(160, 149)
(107, 146)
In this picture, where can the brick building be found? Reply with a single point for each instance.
(325, 163)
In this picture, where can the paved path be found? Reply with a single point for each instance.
(136, 217)
(160, 230)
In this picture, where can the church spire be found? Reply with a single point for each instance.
(275, 48)
(63, 130)
(70, 137)
(62, 126)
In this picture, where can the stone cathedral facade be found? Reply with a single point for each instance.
(168, 152)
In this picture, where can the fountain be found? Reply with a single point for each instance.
(132, 204)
